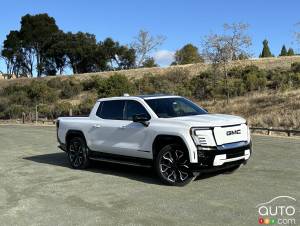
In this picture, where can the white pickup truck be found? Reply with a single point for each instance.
(170, 133)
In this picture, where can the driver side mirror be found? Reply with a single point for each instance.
(141, 118)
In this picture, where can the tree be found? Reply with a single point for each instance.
(80, 49)
(283, 51)
(144, 43)
(118, 56)
(290, 52)
(10, 52)
(55, 55)
(149, 62)
(220, 50)
(125, 57)
(188, 54)
(36, 32)
(266, 50)
(19, 59)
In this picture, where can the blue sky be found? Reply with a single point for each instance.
(180, 21)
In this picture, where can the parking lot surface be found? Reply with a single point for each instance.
(37, 186)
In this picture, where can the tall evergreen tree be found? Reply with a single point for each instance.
(290, 52)
(283, 51)
(266, 52)
(36, 32)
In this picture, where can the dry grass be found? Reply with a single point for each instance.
(267, 109)
(193, 69)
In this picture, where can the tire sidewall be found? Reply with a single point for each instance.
(165, 149)
(85, 162)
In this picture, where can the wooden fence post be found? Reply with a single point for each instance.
(23, 117)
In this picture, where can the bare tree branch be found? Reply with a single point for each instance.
(220, 50)
(144, 43)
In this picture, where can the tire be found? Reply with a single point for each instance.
(172, 165)
(78, 153)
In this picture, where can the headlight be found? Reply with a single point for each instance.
(203, 136)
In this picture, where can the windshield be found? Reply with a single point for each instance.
(174, 107)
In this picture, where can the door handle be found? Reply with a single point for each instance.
(97, 126)
(122, 127)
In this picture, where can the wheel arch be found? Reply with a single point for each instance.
(73, 133)
(163, 139)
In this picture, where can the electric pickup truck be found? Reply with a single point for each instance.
(176, 137)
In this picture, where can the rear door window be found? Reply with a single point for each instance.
(133, 108)
(112, 109)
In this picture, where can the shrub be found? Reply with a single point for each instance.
(173, 82)
(15, 111)
(151, 84)
(255, 80)
(39, 92)
(202, 86)
(62, 109)
(295, 78)
(11, 89)
(279, 79)
(92, 83)
(236, 87)
(116, 85)
(4, 105)
(70, 88)
(55, 83)
(295, 67)
(20, 97)
(85, 107)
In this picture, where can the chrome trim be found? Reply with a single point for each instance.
(232, 145)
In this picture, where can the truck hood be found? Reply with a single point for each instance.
(209, 120)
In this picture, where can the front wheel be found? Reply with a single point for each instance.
(172, 165)
(78, 153)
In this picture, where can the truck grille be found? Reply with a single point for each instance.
(235, 154)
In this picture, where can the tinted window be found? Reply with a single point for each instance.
(174, 107)
(112, 109)
(133, 108)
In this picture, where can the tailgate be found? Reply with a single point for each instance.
(231, 134)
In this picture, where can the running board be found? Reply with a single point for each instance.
(120, 162)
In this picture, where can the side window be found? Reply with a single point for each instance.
(98, 113)
(112, 109)
(133, 108)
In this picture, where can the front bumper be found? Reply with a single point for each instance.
(218, 159)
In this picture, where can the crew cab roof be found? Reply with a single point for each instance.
(144, 97)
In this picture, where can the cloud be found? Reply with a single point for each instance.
(164, 57)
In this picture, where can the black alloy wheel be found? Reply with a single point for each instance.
(172, 165)
(77, 153)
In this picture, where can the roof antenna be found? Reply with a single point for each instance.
(126, 95)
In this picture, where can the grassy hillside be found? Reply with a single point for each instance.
(192, 69)
(266, 95)
(266, 109)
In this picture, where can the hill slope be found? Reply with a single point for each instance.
(266, 109)
(267, 93)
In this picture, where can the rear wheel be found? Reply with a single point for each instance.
(172, 165)
(78, 153)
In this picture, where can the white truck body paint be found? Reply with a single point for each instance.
(128, 138)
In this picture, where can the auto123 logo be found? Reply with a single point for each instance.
(280, 210)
